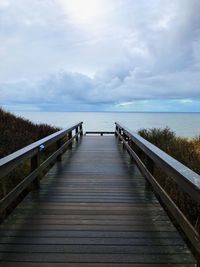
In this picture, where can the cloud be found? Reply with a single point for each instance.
(63, 89)
(129, 51)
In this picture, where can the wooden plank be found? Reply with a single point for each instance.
(90, 234)
(100, 258)
(150, 228)
(84, 221)
(93, 241)
(98, 249)
(107, 264)
(152, 217)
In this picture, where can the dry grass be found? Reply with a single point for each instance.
(16, 132)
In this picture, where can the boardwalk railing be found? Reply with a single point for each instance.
(99, 133)
(32, 152)
(188, 180)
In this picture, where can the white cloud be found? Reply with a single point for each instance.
(4, 4)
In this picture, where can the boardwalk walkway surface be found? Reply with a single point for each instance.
(92, 209)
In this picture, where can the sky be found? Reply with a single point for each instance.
(100, 55)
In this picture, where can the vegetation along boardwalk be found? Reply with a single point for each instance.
(93, 208)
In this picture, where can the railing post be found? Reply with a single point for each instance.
(81, 129)
(116, 130)
(77, 134)
(34, 166)
(59, 144)
(119, 133)
(70, 136)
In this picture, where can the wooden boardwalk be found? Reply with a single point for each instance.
(93, 209)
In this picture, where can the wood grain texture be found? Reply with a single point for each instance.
(92, 209)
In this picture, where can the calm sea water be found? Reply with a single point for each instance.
(184, 124)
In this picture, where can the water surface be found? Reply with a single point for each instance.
(184, 124)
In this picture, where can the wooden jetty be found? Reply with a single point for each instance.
(97, 205)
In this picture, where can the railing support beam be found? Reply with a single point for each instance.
(81, 130)
(77, 134)
(70, 137)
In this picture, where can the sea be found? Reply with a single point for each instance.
(183, 124)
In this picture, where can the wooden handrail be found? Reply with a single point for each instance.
(99, 133)
(188, 180)
(32, 151)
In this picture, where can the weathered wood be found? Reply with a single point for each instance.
(92, 210)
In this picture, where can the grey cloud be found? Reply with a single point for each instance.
(65, 88)
(142, 50)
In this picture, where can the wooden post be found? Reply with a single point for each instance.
(59, 144)
(70, 136)
(34, 166)
(116, 129)
(81, 130)
(119, 133)
(77, 134)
